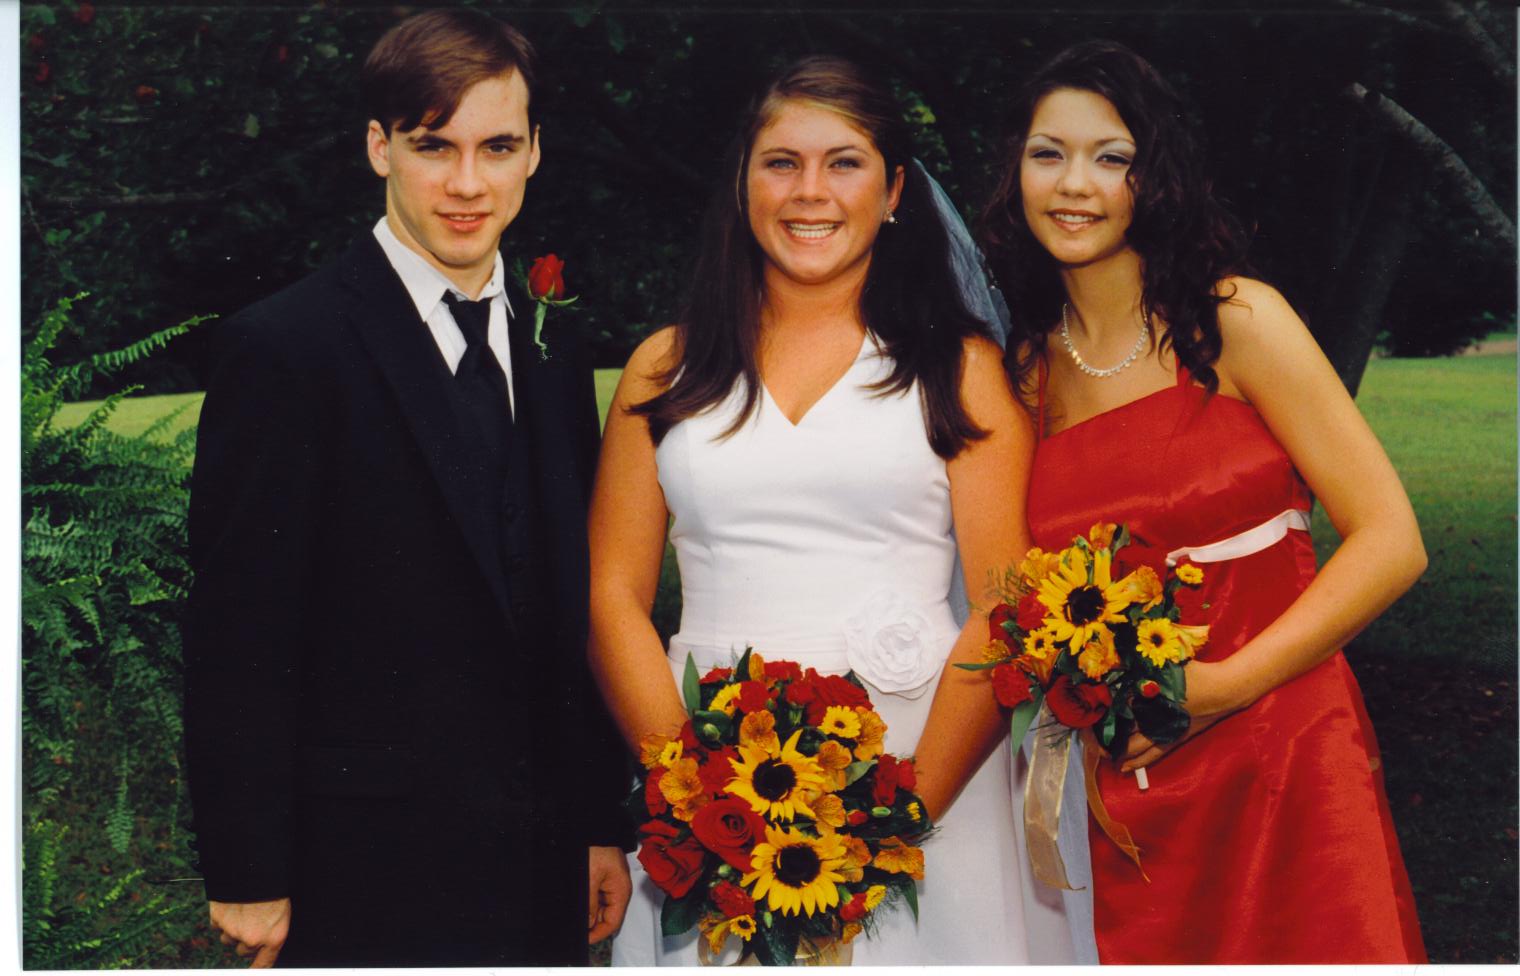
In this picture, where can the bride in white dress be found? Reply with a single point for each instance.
(819, 432)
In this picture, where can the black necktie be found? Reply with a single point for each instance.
(479, 376)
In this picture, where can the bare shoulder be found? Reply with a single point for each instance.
(1253, 311)
(1262, 337)
(645, 368)
(982, 362)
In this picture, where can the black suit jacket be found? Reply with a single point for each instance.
(377, 724)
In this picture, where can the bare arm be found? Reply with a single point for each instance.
(627, 532)
(1270, 360)
(988, 484)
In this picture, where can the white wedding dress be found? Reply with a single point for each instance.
(829, 543)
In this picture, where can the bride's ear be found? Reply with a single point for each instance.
(894, 194)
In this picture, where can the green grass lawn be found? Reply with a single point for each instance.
(1438, 669)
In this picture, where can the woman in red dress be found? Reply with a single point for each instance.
(1192, 403)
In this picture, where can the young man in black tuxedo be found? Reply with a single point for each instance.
(396, 757)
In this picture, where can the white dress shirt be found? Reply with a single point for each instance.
(427, 286)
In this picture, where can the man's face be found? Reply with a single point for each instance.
(450, 192)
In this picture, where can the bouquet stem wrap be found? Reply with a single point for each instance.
(1048, 764)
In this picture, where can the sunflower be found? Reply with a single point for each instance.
(1159, 642)
(874, 895)
(743, 926)
(841, 721)
(777, 783)
(726, 700)
(671, 754)
(795, 872)
(1082, 607)
(1041, 644)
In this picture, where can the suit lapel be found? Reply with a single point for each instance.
(386, 320)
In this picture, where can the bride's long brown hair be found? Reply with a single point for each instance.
(910, 301)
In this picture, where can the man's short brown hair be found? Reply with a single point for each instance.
(418, 72)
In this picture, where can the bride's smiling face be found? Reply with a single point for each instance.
(818, 194)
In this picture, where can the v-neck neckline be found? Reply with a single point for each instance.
(765, 391)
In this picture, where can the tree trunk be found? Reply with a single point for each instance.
(1352, 315)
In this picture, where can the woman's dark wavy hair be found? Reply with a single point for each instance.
(1186, 239)
(911, 300)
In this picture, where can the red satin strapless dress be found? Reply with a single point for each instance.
(1268, 838)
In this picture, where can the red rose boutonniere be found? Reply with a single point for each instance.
(545, 282)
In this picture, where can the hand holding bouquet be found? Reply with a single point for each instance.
(774, 816)
(1102, 653)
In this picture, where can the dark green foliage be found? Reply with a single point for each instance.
(209, 155)
(102, 576)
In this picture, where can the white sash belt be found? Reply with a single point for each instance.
(1252, 540)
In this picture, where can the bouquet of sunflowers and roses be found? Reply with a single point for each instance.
(1101, 650)
(774, 818)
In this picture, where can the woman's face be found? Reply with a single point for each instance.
(1074, 177)
(818, 193)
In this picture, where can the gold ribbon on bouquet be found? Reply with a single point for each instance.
(1048, 763)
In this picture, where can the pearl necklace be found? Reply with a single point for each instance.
(1076, 357)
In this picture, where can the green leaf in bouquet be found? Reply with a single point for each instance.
(1023, 717)
(741, 669)
(980, 665)
(680, 915)
(1121, 538)
(691, 686)
(711, 726)
(910, 894)
(1108, 727)
(1173, 682)
(855, 770)
(777, 945)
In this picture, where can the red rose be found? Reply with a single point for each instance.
(689, 741)
(832, 689)
(752, 696)
(716, 675)
(801, 692)
(716, 771)
(884, 783)
(1075, 705)
(855, 909)
(1032, 612)
(856, 818)
(84, 13)
(730, 829)
(672, 867)
(732, 900)
(1010, 685)
(783, 671)
(546, 279)
(1001, 614)
(653, 798)
(907, 777)
(1149, 688)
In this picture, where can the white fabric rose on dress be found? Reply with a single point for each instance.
(888, 643)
